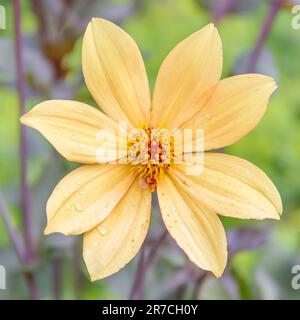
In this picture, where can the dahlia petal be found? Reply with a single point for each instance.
(231, 187)
(187, 78)
(235, 108)
(113, 243)
(76, 130)
(115, 74)
(85, 197)
(195, 228)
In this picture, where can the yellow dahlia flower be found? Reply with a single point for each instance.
(110, 203)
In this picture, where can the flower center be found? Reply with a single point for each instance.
(150, 152)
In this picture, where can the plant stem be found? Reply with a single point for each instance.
(25, 195)
(143, 266)
(199, 281)
(138, 275)
(12, 232)
(265, 30)
(18, 246)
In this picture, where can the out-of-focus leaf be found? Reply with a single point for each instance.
(61, 90)
(173, 20)
(15, 286)
(246, 6)
(230, 285)
(212, 289)
(9, 158)
(53, 171)
(247, 238)
(221, 8)
(265, 64)
(111, 10)
(267, 286)
(37, 68)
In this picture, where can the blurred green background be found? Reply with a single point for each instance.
(262, 253)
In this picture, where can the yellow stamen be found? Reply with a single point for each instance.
(151, 153)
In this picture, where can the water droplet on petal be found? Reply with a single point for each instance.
(82, 192)
(103, 231)
(208, 115)
(66, 194)
(69, 207)
(79, 206)
(89, 196)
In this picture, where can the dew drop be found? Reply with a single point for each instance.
(66, 195)
(69, 207)
(103, 231)
(82, 192)
(79, 206)
(208, 115)
(89, 196)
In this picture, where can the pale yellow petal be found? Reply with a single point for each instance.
(236, 107)
(74, 129)
(115, 74)
(187, 78)
(112, 244)
(195, 228)
(86, 196)
(231, 187)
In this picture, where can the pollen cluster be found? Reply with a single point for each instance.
(150, 152)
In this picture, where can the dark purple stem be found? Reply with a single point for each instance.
(199, 281)
(25, 195)
(138, 275)
(265, 30)
(155, 248)
(13, 234)
(144, 265)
